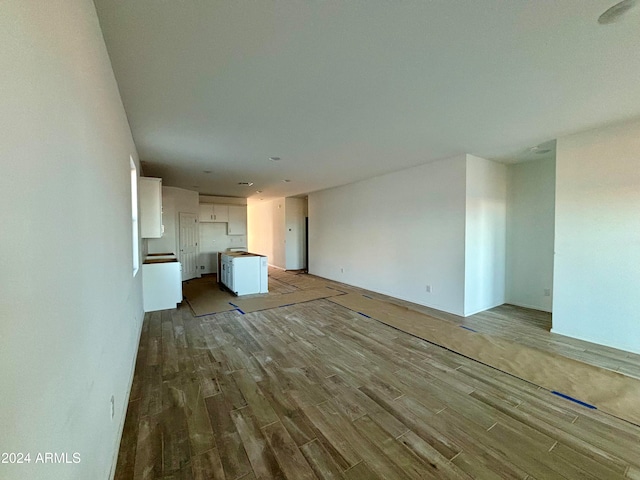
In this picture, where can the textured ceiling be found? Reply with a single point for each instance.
(344, 90)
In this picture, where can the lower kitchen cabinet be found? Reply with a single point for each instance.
(244, 273)
(161, 282)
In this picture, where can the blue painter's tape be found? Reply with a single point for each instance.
(239, 310)
(574, 400)
(233, 304)
(467, 328)
(364, 314)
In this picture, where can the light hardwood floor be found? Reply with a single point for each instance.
(315, 390)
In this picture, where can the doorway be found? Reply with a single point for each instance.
(188, 245)
(306, 244)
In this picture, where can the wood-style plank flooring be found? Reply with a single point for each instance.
(527, 327)
(315, 390)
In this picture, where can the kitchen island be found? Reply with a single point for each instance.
(244, 273)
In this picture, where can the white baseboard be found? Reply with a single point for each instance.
(482, 310)
(617, 347)
(114, 462)
(530, 307)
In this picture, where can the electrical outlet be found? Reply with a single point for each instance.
(201, 267)
(547, 292)
(428, 289)
(113, 407)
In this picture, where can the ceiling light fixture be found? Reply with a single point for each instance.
(274, 159)
(207, 171)
(258, 191)
(245, 184)
(614, 13)
(286, 180)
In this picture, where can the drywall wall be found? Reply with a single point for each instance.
(266, 230)
(214, 239)
(210, 235)
(485, 234)
(295, 234)
(530, 233)
(260, 228)
(70, 307)
(279, 255)
(395, 234)
(174, 202)
(276, 228)
(597, 236)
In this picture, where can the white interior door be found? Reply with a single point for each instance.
(189, 245)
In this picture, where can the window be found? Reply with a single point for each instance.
(134, 216)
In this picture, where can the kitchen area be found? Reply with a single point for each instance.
(223, 249)
(190, 236)
(223, 227)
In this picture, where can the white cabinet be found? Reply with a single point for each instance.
(220, 213)
(161, 283)
(205, 213)
(244, 273)
(226, 274)
(150, 197)
(210, 212)
(237, 220)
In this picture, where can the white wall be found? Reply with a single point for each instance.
(276, 228)
(210, 235)
(396, 233)
(266, 230)
(597, 236)
(295, 235)
(260, 228)
(174, 201)
(485, 235)
(279, 254)
(214, 239)
(70, 308)
(530, 233)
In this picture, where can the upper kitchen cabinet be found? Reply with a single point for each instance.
(220, 213)
(150, 194)
(205, 213)
(209, 212)
(237, 220)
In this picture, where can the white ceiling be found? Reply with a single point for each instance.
(344, 90)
